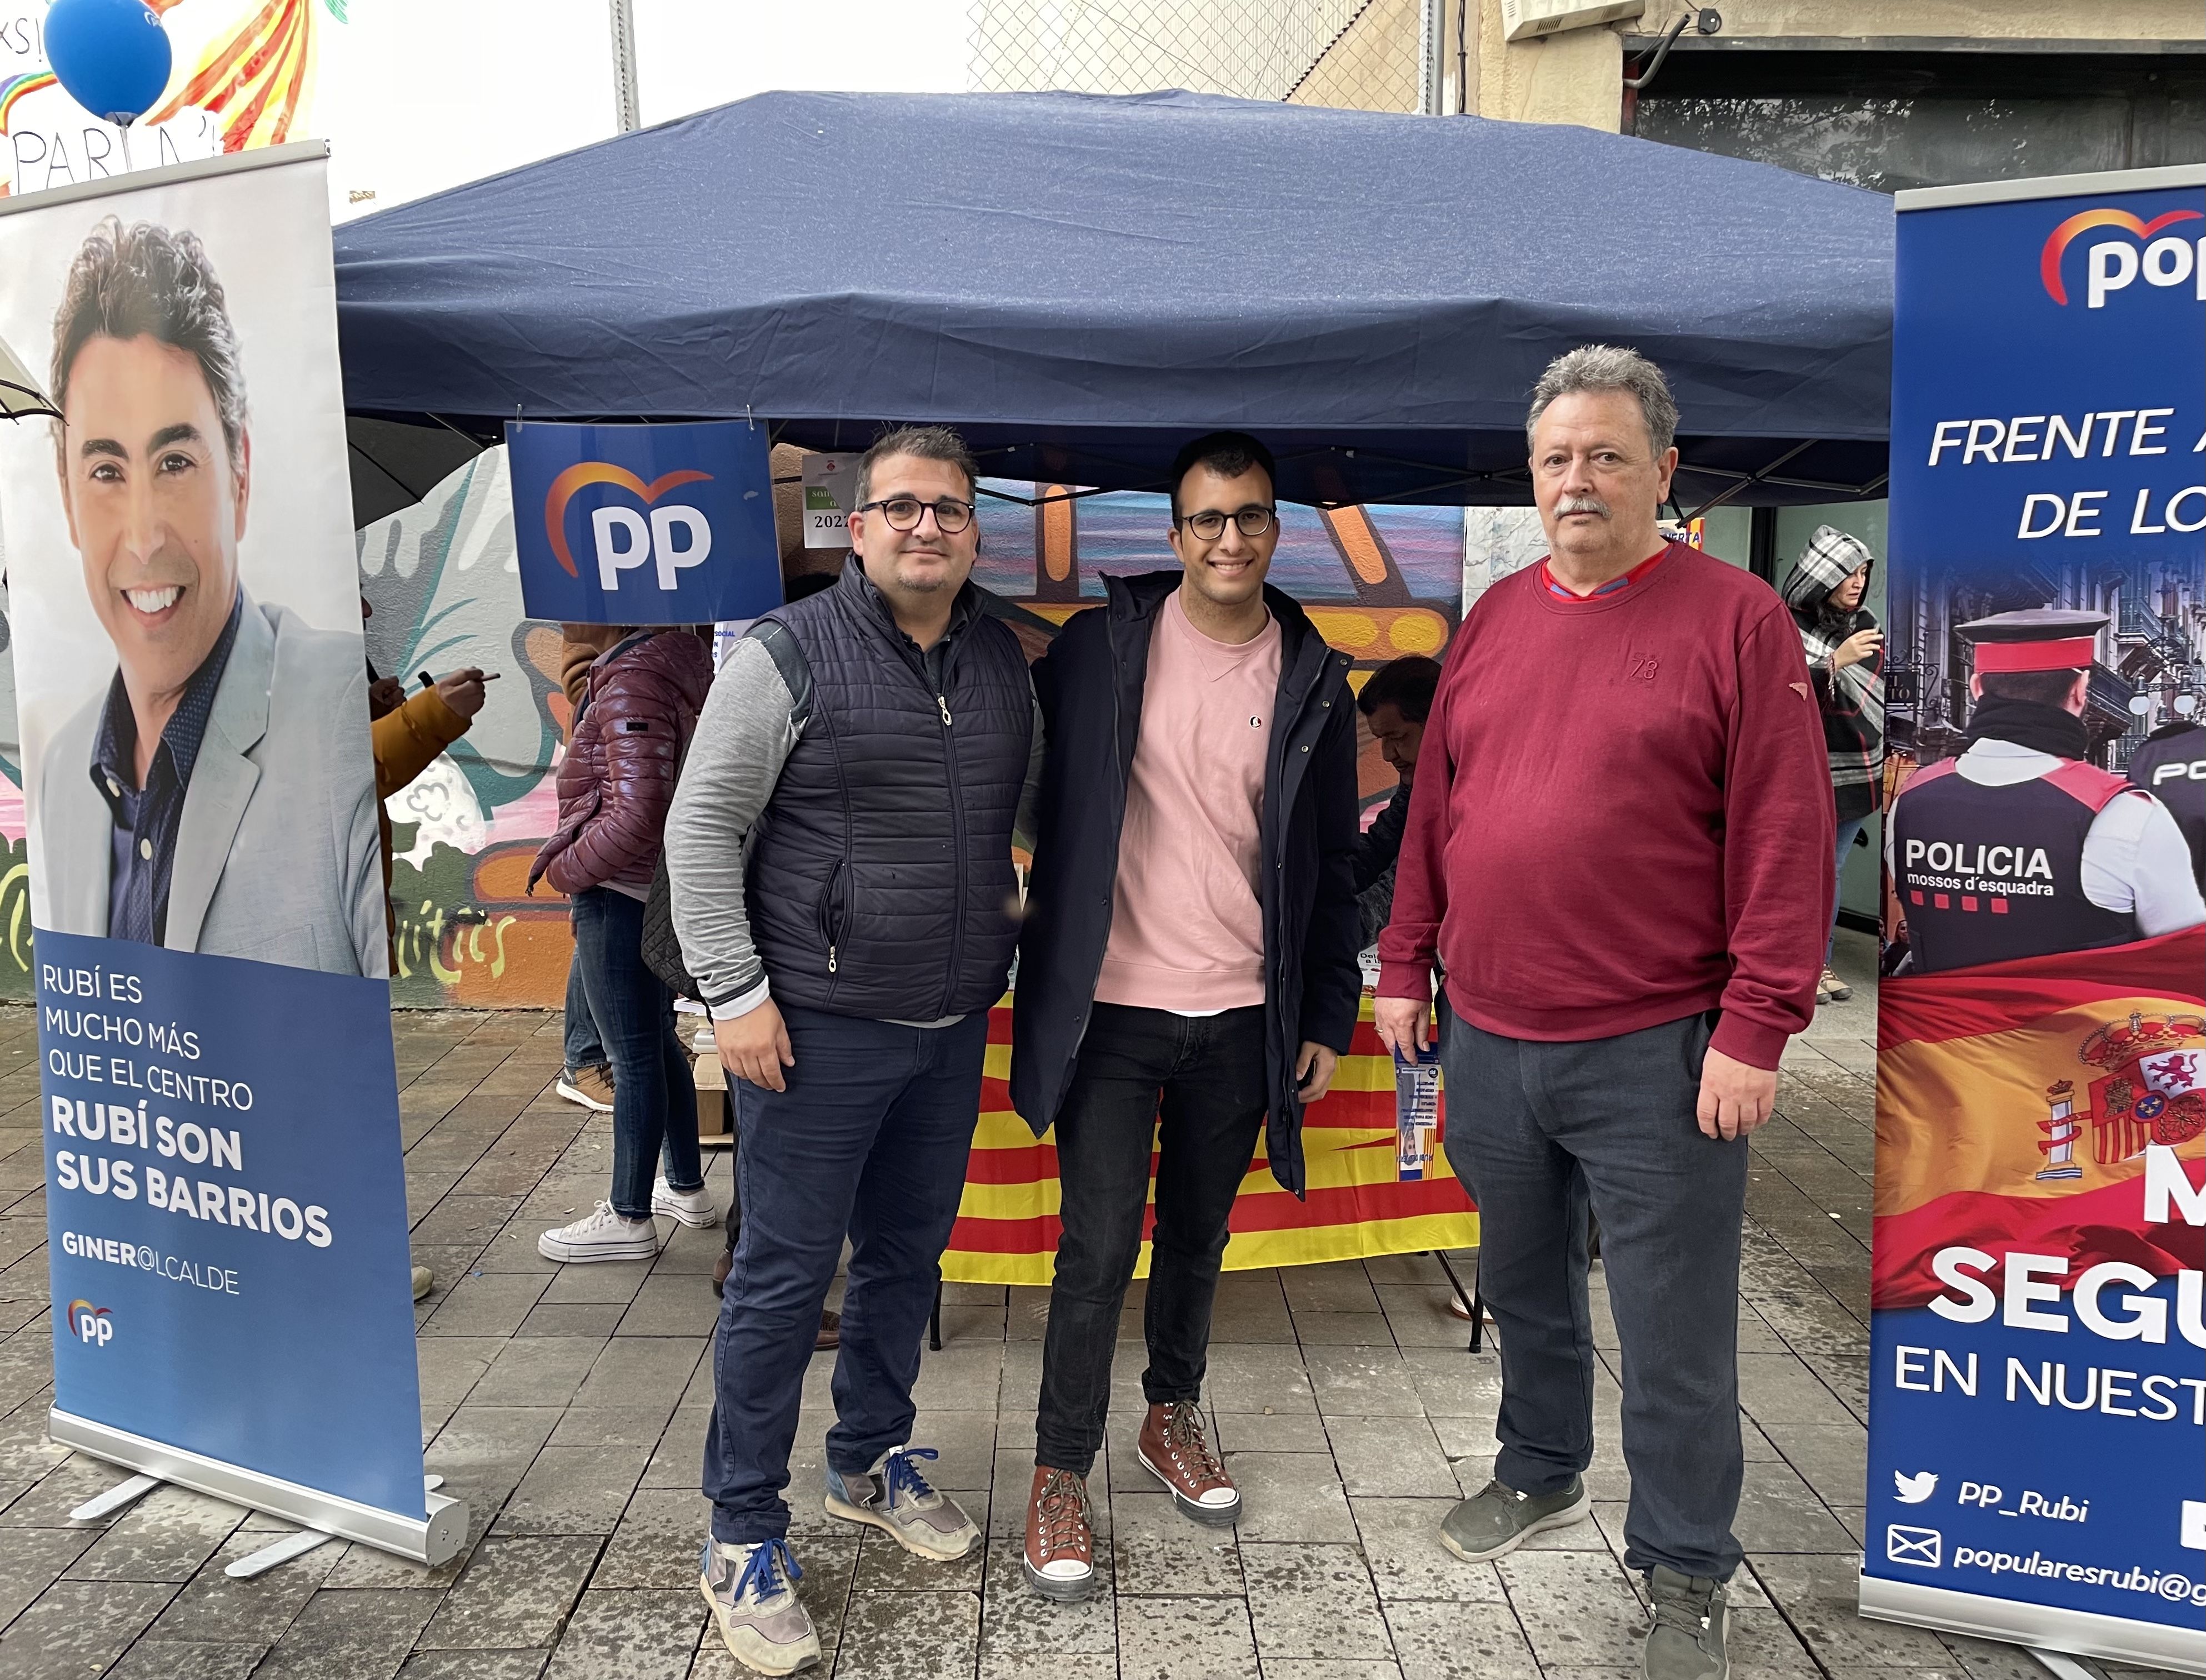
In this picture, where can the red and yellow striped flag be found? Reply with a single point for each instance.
(1357, 1206)
(2014, 1103)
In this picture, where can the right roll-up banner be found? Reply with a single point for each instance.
(2038, 1410)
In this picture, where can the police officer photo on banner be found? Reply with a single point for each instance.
(226, 1195)
(2021, 846)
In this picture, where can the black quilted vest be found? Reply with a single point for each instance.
(879, 884)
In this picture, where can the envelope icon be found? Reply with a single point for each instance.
(1925, 1548)
(2194, 1524)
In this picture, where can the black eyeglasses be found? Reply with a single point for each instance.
(902, 513)
(1252, 520)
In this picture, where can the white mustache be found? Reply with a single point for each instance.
(1582, 504)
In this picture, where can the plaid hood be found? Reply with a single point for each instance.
(1852, 698)
(1831, 558)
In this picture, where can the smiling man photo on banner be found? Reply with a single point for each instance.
(225, 1181)
(208, 798)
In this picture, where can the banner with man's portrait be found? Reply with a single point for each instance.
(226, 1196)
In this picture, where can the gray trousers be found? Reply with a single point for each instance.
(1541, 1133)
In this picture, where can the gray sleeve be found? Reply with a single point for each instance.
(744, 736)
(1022, 826)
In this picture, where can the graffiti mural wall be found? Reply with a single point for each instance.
(1379, 582)
(442, 591)
(414, 96)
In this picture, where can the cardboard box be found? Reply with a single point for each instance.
(710, 1079)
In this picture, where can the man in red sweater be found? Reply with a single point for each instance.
(1619, 847)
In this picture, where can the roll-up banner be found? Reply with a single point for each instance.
(2037, 1399)
(226, 1200)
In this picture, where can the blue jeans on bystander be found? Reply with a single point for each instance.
(1847, 833)
(654, 1100)
(582, 1048)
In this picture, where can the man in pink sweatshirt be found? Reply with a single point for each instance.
(1189, 956)
(1619, 849)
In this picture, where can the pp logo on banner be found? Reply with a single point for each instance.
(2143, 248)
(644, 524)
(92, 1325)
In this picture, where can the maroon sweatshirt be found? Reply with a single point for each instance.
(1621, 815)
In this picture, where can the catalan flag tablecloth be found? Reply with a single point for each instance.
(1358, 1204)
(2015, 1103)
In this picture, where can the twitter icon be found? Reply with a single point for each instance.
(1915, 1489)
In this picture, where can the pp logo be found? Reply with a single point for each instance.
(90, 1323)
(2112, 264)
(673, 537)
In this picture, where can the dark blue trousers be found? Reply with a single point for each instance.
(870, 1139)
(654, 1094)
(1542, 1135)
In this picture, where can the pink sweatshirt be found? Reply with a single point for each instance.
(1187, 931)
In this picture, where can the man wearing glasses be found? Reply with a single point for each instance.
(1189, 954)
(840, 855)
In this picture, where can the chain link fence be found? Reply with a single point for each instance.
(1362, 54)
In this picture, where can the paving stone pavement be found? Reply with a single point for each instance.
(568, 1407)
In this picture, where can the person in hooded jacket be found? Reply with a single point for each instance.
(645, 688)
(1824, 590)
(1188, 957)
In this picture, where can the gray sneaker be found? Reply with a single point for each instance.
(753, 1593)
(1686, 1636)
(1499, 1519)
(894, 1497)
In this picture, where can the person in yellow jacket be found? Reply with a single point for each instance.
(408, 733)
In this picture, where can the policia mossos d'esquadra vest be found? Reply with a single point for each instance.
(2171, 766)
(2018, 847)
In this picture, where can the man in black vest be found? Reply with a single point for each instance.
(2018, 847)
(2171, 766)
(839, 854)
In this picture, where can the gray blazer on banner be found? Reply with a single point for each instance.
(278, 854)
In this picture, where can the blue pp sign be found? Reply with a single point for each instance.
(226, 1213)
(2048, 409)
(644, 524)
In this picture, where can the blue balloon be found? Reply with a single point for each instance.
(112, 55)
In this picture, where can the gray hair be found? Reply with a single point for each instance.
(1601, 367)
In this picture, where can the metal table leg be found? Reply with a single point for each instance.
(1473, 1302)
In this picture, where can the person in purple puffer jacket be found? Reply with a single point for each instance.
(643, 694)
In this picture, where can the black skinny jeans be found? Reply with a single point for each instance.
(1204, 1076)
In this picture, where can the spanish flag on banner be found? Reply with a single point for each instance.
(2015, 1101)
(1359, 1204)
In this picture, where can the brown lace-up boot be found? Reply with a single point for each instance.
(1178, 1454)
(1060, 1559)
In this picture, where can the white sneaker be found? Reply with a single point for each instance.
(694, 1208)
(604, 1235)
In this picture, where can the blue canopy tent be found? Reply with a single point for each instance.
(1079, 284)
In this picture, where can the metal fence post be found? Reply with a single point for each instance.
(626, 107)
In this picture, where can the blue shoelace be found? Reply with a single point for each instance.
(767, 1568)
(904, 1477)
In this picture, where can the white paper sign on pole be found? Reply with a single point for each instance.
(831, 486)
